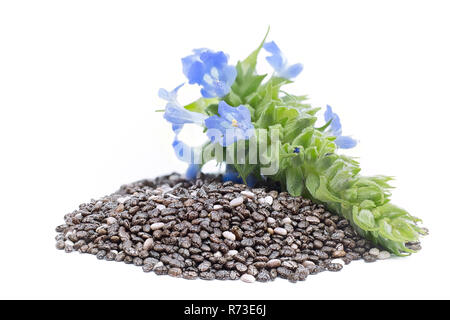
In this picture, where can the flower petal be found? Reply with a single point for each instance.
(192, 171)
(211, 71)
(292, 71)
(196, 72)
(169, 96)
(335, 126)
(345, 142)
(276, 60)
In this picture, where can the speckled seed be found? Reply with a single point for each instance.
(111, 220)
(286, 221)
(175, 272)
(157, 226)
(280, 231)
(229, 235)
(334, 267)
(384, 255)
(237, 201)
(248, 278)
(374, 252)
(308, 264)
(313, 219)
(271, 220)
(339, 254)
(60, 245)
(148, 244)
(274, 263)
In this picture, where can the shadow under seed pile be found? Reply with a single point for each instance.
(212, 230)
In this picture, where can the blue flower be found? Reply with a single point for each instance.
(179, 116)
(279, 62)
(211, 71)
(233, 124)
(335, 129)
(232, 175)
(192, 171)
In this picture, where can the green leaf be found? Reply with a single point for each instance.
(249, 85)
(294, 181)
(212, 109)
(250, 62)
(364, 219)
(312, 183)
(247, 82)
(267, 118)
(201, 104)
(295, 127)
(326, 125)
(323, 194)
(285, 114)
(311, 154)
(233, 99)
(304, 138)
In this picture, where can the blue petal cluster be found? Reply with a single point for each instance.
(279, 62)
(232, 125)
(179, 116)
(335, 129)
(211, 71)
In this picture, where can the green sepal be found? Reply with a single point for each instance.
(201, 104)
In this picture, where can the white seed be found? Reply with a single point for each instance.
(374, 252)
(217, 207)
(270, 230)
(111, 220)
(229, 235)
(232, 253)
(280, 231)
(294, 246)
(384, 255)
(248, 194)
(160, 207)
(148, 244)
(157, 225)
(123, 199)
(248, 278)
(68, 243)
(286, 220)
(271, 220)
(218, 254)
(159, 264)
(237, 202)
(261, 201)
(268, 200)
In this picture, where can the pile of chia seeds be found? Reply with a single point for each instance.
(212, 230)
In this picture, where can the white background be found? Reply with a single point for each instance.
(78, 90)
